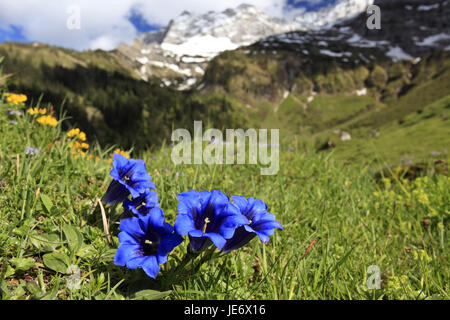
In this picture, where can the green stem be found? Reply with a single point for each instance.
(190, 255)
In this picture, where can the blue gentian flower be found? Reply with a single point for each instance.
(142, 205)
(146, 242)
(130, 177)
(261, 223)
(207, 217)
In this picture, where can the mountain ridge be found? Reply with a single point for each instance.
(343, 78)
(345, 44)
(180, 51)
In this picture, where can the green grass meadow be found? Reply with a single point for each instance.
(339, 219)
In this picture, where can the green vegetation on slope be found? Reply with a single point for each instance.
(315, 103)
(417, 137)
(104, 99)
(311, 103)
(338, 220)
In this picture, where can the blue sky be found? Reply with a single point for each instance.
(311, 5)
(140, 23)
(107, 23)
(14, 33)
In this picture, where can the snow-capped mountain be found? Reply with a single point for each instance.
(422, 29)
(179, 52)
(343, 9)
(307, 62)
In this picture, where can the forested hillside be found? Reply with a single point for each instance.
(109, 103)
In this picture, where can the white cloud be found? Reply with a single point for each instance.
(153, 11)
(104, 23)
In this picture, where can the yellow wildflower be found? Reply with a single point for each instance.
(47, 120)
(15, 98)
(82, 136)
(421, 255)
(395, 283)
(73, 133)
(123, 153)
(387, 183)
(32, 111)
(78, 153)
(422, 197)
(78, 148)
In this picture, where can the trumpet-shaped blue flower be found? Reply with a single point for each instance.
(146, 242)
(130, 177)
(142, 205)
(261, 223)
(207, 217)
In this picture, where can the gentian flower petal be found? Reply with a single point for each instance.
(167, 244)
(184, 223)
(116, 192)
(142, 205)
(153, 220)
(126, 238)
(145, 242)
(125, 253)
(230, 219)
(240, 202)
(207, 217)
(261, 223)
(130, 177)
(132, 227)
(218, 240)
(241, 237)
(136, 262)
(151, 266)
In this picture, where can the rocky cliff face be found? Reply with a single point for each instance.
(409, 29)
(334, 56)
(179, 53)
(342, 10)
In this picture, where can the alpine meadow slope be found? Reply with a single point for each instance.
(58, 241)
(359, 208)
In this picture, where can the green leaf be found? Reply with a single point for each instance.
(9, 271)
(52, 294)
(86, 251)
(151, 295)
(33, 288)
(20, 290)
(73, 236)
(23, 264)
(47, 202)
(56, 261)
(46, 242)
